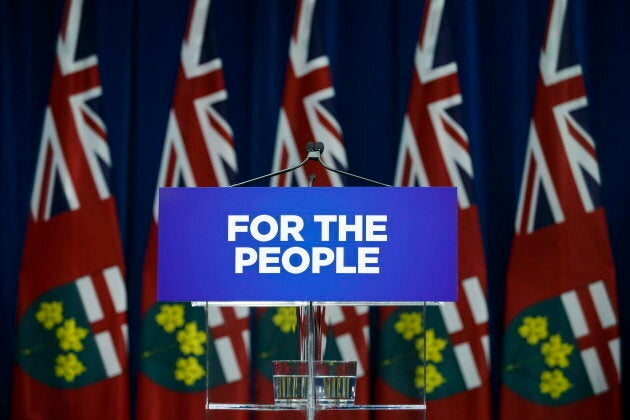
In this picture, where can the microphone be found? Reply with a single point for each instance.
(314, 150)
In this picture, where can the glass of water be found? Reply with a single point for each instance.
(290, 381)
(335, 382)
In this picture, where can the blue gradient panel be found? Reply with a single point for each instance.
(409, 257)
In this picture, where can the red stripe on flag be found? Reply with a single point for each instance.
(597, 337)
(233, 327)
(581, 140)
(64, 19)
(529, 194)
(65, 86)
(296, 22)
(470, 333)
(353, 324)
(170, 171)
(407, 176)
(45, 193)
(423, 24)
(112, 320)
(328, 125)
(222, 132)
(455, 135)
(93, 125)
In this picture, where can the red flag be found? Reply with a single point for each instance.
(198, 151)
(307, 115)
(562, 346)
(435, 151)
(72, 304)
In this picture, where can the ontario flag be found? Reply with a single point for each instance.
(71, 348)
(307, 114)
(435, 151)
(562, 348)
(177, 339)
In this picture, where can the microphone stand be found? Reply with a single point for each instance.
(314, 152)
(270, 175)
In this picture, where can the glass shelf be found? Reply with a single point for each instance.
(302, 407)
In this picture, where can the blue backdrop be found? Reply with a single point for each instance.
(371, 46)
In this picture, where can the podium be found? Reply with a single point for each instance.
(309, 248)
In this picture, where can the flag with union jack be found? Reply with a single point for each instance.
(435, 151)
(307, 114)
(562, 348)
(177, 338)
(72, 305)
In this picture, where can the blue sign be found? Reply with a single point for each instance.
(363, 244)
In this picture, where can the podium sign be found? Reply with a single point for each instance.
(347, 244)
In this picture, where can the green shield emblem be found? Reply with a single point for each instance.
(173, 348)
(542, 361)
(402, 344)
(55, 344)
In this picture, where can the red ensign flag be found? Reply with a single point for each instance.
(435, 151)
(198, 151)
(71, 354)
(562, 348)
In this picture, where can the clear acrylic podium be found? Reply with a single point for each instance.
(392, 247)
(310, 317)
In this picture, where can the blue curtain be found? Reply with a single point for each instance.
(371, 46)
